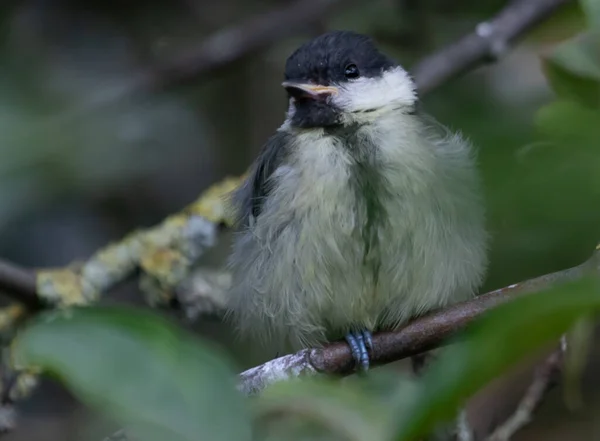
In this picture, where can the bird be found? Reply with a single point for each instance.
(360, 212)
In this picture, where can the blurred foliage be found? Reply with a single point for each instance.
(140, 369)
(494, 343)
(164, 384)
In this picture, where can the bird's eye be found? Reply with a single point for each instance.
(351, 71)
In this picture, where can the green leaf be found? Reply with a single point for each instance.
(573, 69)
(493, 344)
(591, 9)
(568, 120)
(141, 370)
(354, 409)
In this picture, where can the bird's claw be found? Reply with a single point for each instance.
(360, 343)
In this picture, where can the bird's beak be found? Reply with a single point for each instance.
(305, 90)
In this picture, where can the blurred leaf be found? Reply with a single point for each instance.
(573, 69)
(591, 9)
(493, 344)
(567, 120)
(354, 409)
(140, 369)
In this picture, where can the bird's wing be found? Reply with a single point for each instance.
(248, 200)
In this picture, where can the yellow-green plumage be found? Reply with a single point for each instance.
(362, 225)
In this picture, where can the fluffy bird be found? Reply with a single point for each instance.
(359, 213)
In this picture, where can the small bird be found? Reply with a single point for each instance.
(359, 213)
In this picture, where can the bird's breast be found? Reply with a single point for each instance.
(325, 181)
(337, 193)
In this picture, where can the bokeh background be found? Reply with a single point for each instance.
(97, 138)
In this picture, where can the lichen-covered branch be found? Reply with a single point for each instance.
(203, 293)
(165, 254)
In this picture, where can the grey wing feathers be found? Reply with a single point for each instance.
(249, 198)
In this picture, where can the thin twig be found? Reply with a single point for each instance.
(490, 41)
(237, 42)
(542, 382)
(215, 52)
(19, 284)
(463, 429)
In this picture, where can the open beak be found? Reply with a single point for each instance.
(306, 90)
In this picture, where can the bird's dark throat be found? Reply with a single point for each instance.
(311, 113)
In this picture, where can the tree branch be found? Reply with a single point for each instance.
(20, 285)
(234, 43)
(463, 430)
(542, 382)
(418, 336)
(487, 43)
(217, 51)
(490, 41)
(165, 254)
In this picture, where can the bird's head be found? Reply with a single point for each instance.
(341, 78)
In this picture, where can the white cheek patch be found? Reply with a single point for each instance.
(394, 88)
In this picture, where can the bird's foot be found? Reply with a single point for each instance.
(360, 343)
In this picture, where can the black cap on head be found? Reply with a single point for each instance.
(335, 57)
